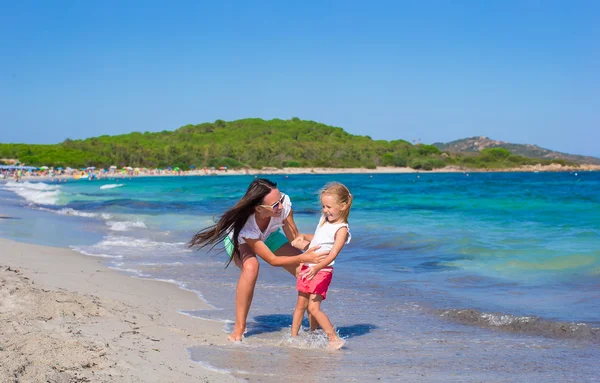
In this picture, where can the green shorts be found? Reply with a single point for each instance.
(273, 242)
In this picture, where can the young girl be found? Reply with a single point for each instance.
(314, 279)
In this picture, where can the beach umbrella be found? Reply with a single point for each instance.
(43, 167)
(192, 167)
(59, 168)
(113, 167)
(175, 168)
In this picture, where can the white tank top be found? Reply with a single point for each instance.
(325, 236)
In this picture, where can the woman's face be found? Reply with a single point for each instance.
(272, 204)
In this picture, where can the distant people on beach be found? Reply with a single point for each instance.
(332, 234)
(252, 227)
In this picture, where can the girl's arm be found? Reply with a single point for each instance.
(259, 248)
(340, 239)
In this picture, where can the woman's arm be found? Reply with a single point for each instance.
(289, 227)
(302, 241)
(259, 248)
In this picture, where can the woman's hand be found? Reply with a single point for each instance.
(300, 242)
(309, 273)
(313, 257)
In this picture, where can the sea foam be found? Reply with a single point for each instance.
(111, 186)
(37, 193)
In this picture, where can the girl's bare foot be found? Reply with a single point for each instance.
(335, 344)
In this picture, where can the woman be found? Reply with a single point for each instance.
(251, 228)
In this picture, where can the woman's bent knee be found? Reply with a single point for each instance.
(250, 266)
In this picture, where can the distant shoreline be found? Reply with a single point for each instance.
(384, 170)
(294, 171)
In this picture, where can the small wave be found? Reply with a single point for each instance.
(37, 193)
(70, 211)
(81, 251)
(137, 243)
(31, 185)
(125, 225)
(135, 272)
(111, 186)
(161, 264)
(525, 324)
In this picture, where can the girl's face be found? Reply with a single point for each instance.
(332, 209)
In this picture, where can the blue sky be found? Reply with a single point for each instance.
(518, 71)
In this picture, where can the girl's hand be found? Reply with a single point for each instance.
(309, 273)
(300, 242)
(311, 257)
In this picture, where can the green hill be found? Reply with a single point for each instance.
(252, 143)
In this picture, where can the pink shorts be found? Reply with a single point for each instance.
(318, 285)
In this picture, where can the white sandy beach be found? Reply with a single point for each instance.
(65, 317)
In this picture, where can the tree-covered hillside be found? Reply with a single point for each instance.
(252, 143)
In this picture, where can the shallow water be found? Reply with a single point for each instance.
(449, 277)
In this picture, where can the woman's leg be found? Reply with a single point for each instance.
(288, 250)
(301, 306)
(245, 290)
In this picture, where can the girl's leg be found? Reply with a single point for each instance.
(314, 307)
(301, 306)
(245, 290)
(289, 250)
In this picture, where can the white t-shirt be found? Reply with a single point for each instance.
(325, 236)
(252, 231)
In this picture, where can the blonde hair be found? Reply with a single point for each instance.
(341, 194)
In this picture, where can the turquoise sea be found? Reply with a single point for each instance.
(449, 277)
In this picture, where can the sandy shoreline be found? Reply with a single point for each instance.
(65, 317)
(293, 171)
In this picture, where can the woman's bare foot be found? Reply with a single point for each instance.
(234, 337)
(336, 344)
(237, 334)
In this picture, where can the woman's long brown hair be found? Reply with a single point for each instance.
(234, 219)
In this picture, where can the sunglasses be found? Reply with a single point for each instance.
(277, 204)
